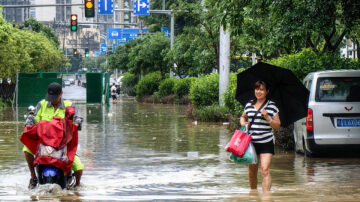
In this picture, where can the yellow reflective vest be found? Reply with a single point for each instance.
(47, 111)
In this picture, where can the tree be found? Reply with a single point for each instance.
(36, 26)
(120, 59)
(289, 25)
(203, 32)
(24, 51)
(148, 55)
(182, 20)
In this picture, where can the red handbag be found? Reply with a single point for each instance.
(238, 143)
(240, 140)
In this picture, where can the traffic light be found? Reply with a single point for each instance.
(73, 21)
(75, 53)
(89, 8)
(86, 52)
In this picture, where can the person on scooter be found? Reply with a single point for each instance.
(46, 109)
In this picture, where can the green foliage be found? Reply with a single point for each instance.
(205, 91)
(120, 59)
(167, 86)
(229, 97)
(148, 55)
(3, 104)
(37, 26)
(182, 87)
(24, 51)
(129, 82)
(93, 63)
(308, 61)
(288, 26)
(149, 84)
(212, 113)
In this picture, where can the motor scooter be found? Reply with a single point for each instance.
(48, 174)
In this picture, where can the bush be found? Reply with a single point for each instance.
(148, 85)
(229, 97)
(308, 61)
(182, 87)
(213, 113)
(166, 87)
(129, 82)
(205, 91)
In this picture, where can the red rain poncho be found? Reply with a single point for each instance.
(54, 142)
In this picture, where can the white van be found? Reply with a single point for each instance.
(333, 120)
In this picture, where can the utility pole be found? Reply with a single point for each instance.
(224, 67)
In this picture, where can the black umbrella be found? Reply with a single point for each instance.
(287, 91)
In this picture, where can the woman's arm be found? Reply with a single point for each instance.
(274, 121)
(243, 119)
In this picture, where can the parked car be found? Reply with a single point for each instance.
(66, 82)
(72, 81)
(333, 120)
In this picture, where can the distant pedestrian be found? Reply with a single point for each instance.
(261, 133)
(113, 92)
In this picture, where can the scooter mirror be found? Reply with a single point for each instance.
(31, 109)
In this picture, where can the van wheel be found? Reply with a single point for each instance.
(306, 152)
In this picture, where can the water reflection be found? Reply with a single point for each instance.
(140, 152)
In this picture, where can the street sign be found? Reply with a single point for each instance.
(106, 7)
(103, 48)
(133, 31)
(114, 33)
(141, 7)
(97, 53)
(166, 31)
(129, 36)
(122, 40)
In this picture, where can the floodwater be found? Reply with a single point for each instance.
(144, 152)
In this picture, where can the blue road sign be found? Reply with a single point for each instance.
(106, 7)
(166, 31)
(129, 36)
(141, 7)
(114, 33)
(103, 48)
(132, 31)
(97, 53)
(114, 47)
(122, 40)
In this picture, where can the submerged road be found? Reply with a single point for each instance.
(141, 152)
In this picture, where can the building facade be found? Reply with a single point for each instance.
(350, 49)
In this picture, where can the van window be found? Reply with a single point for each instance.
(338, 89)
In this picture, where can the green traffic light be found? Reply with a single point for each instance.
(73, 28)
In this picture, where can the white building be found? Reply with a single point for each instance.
(350, 49)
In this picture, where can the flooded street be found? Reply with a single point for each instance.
(140, 152)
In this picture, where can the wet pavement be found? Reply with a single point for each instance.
(142, 152)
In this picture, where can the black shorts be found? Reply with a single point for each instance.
(264, 148)
(114, 97)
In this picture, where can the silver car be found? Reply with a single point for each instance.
(333, 120)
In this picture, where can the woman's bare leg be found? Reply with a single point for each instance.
(265, 160)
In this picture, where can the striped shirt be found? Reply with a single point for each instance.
(260, 130)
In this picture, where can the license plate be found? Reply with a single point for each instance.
(347, 122)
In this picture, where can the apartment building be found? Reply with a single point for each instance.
(350, 49)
